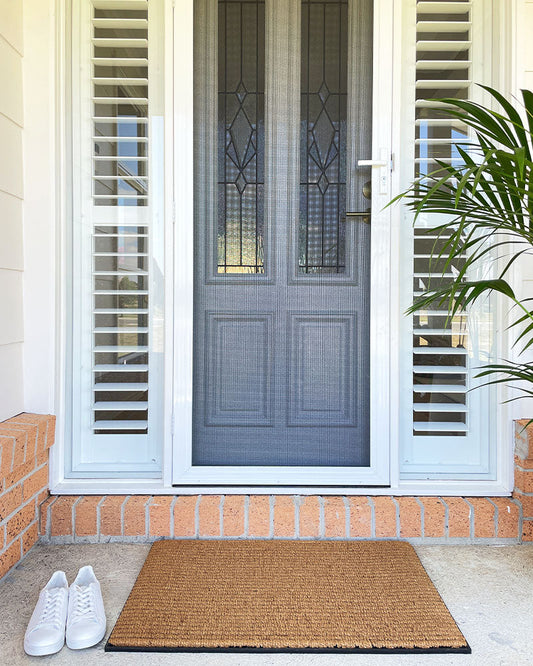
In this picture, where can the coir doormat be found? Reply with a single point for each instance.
(285, 596)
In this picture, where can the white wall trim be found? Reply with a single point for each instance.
(428, 489)
(39, 204)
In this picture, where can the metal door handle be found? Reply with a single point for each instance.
(365, 215)
(384, 164)
(373, 163)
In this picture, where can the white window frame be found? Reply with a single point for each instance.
(178, 328)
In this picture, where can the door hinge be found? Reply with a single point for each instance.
(173, 212)
(172, 422)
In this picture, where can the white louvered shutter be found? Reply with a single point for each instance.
(120, 375)
(443, 69)
(448, 434)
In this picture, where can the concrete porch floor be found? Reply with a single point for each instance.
(488, 589)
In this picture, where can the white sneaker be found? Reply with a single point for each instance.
(46, 630)
(86, 620)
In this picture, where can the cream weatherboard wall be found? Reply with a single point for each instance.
(11, 209)
(29, 276)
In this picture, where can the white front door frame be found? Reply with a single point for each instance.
(183, 472)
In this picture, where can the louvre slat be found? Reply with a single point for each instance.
(124, 235)
(121, 23)
(116, 158)
(120, 425)
(424, 426)
(439, 388)
(119, 349)
(437, 142)
(430, 104)
(102, 386)
(439, 370)
(135, 311)
(428, 256)
(434, 331)
(120, 329)
(119, 43)
(443, 26)
(440, 351)
(120, 254)
(446, 160)
(445, 122)
(138, 101)
(138, 120)
(122, 273)
(143, 179)
(121, 139)
(427, 275)
(121, 292)
(442, 65)
(445, 83)
(108, 367)
(120, 62)
(451, 46)
(451, 408)
(443, 7)
(122, 406)
(106, 197)
(135, 5)
(101, 81)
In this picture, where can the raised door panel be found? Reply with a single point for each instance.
(322, 370)
(238, 370)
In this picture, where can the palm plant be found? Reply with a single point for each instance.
(488, 204)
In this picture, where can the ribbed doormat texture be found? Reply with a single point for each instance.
(285, 596)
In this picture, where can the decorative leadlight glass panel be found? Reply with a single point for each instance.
(241, 65)
(324, 80)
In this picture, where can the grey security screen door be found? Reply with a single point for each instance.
(283, 92)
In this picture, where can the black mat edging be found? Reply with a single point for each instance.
(109, 647)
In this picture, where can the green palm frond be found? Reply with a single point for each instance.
(488, 204)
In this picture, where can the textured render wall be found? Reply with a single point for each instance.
(24, 446)
(11, 195)
(90, 519)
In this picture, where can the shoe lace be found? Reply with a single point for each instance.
(83, 607)
(51, 613)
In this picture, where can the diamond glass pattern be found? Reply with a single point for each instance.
(241, 64)
(321, 236)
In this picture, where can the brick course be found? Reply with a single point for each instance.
(25, 441)
(27, 510)
(419, 519)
